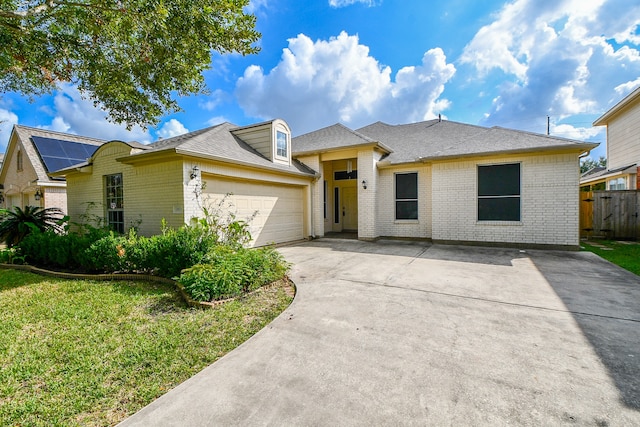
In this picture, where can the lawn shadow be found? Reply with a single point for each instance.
(11, 279)
(168, 298)
(604, 300)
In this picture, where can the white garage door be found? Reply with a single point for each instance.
(280, 209)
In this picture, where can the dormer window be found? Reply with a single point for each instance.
(281, 144)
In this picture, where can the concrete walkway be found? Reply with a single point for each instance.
(399, 333)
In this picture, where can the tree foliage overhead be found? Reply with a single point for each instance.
(588, 163)
(130, 56)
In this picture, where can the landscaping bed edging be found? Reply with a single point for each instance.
(146, 277)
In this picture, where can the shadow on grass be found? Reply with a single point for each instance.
(605, 302)
(11, 279)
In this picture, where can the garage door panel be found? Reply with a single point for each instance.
(280, 209)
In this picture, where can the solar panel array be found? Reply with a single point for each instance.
(58, 154)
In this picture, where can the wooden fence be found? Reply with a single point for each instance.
(610, 214)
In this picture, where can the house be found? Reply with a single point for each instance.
(623, 148)
(439, 180)
(249, 170)
(31, 155)
(445, 181)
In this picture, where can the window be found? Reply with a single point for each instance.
(19, 160)
(326, 190)
(281, 144)
(114, 199)
(618, 184)
(406, 195)
(342, 175)
(499, 192)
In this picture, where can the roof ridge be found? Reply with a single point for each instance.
(27, 128)
(356, 133)
(162, 142)
(536, 134)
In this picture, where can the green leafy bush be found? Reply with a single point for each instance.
(230, 273)
(17, 223)
(59, 250)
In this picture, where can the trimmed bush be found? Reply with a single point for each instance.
(230, 273)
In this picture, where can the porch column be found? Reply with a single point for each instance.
(367, 200)
(317, 195)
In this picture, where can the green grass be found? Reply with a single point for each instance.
(92, 353)
(626, 255)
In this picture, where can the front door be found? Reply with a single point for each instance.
(350, 209)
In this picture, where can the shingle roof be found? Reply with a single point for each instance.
(433, 139)
(332, 137)
(600, 173)
(218, 142)
(25, 133)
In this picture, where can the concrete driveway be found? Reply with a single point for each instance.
(405, 333)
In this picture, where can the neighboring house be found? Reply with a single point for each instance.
(623, 148)
(31, 155)
(438, 180)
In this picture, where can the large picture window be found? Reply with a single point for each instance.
(406, 195)
(115, 202)
(499, 192)
(281, 144)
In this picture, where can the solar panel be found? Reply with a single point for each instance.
(58, 154)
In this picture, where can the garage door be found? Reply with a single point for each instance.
(280, 209)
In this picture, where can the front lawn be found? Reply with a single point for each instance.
(624, 254)
(92, 353)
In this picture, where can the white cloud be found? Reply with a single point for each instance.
(77, 115)
(343, 3)
(255, 5)
(319, 83)
(172, 128)
(577, 133)
(7, 120)
(213, 121)
(214, 100)
(625, 88)
(556, 57)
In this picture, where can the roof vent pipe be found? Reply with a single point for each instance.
(439, 117)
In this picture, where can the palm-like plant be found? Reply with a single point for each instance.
(17, 223)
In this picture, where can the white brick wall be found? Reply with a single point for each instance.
(55, 197)
(387, 224)
(549, 202)
(367, 199)
(150, 191)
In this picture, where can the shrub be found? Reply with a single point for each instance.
(16, 224)
(230, 272)
(65, 250)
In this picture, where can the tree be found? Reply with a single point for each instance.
(129, 56)
(588, 163)
(17, 223)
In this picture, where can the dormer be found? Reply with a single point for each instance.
(271, 139)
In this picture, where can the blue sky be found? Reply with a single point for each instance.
(505, 63)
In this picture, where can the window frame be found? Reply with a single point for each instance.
(114, 216)
(498, 197)
(405, 200)
(285, 150)
(617, 183)
(19, 161)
